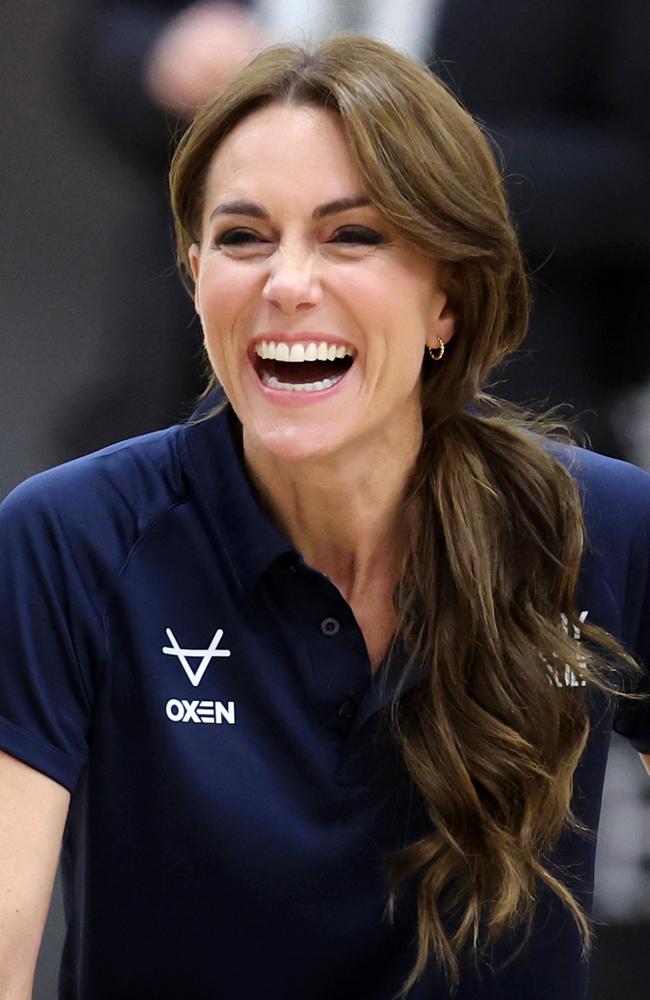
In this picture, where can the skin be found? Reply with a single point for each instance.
(197, 52)
(334, 471)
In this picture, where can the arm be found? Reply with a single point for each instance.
(108, 46)
(577, 191)
(645, 760)
(562, 87)
(137, 65)
(32, 818)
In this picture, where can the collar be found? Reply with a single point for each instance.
(215, 463)
(253, 542)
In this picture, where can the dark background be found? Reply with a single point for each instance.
(68, 204)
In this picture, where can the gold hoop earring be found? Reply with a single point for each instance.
(436, 353)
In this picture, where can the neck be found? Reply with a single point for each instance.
(342, 511)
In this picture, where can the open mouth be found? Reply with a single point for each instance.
(301, 367)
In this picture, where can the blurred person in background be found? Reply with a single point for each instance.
(561, 85)
(141, 69)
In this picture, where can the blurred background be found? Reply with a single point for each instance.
(99, 340)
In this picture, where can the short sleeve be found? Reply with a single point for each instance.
(50, 631)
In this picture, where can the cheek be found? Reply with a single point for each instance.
(228, 307)
(226, 303)
(218, 299)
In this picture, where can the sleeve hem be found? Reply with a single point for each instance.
(63, 768)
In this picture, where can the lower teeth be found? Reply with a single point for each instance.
(274, 383)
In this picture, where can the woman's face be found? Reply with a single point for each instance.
(316, 315)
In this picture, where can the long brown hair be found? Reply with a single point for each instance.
(493, 531)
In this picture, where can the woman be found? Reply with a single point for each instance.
(310, 665)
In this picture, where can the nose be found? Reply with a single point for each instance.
(292, 283)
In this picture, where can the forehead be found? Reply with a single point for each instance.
(286, 151)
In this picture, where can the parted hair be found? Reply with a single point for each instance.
(492, 534)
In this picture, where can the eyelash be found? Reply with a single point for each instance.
(369, 236)
(362, 235)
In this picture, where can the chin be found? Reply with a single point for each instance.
(293, 444)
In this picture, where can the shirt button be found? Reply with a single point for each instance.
(348, 710)
(329, 626)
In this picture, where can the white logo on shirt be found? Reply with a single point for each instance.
(567, 677)
(195, 676)
(180, 710)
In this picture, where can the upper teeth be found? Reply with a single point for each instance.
(280, 351)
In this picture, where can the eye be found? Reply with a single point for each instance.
(357, 235)
(239, 238)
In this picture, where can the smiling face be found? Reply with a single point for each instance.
(315, 315)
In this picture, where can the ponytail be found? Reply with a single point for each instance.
(490, 740)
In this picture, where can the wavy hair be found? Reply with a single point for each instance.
(492, 528)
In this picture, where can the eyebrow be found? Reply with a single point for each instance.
(255, 211)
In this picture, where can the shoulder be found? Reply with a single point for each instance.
(615, 494)
(600, 473)
(616, 509)
(110, 496)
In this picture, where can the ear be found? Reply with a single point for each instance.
(443, 320)
(194, 257)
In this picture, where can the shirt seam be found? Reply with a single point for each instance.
(187, 458)
(113, 589)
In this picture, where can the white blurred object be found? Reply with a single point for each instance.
(622, 863)
(407, 25)
(631, 420)
(296, 20)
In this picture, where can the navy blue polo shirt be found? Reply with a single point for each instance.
(207, 698)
